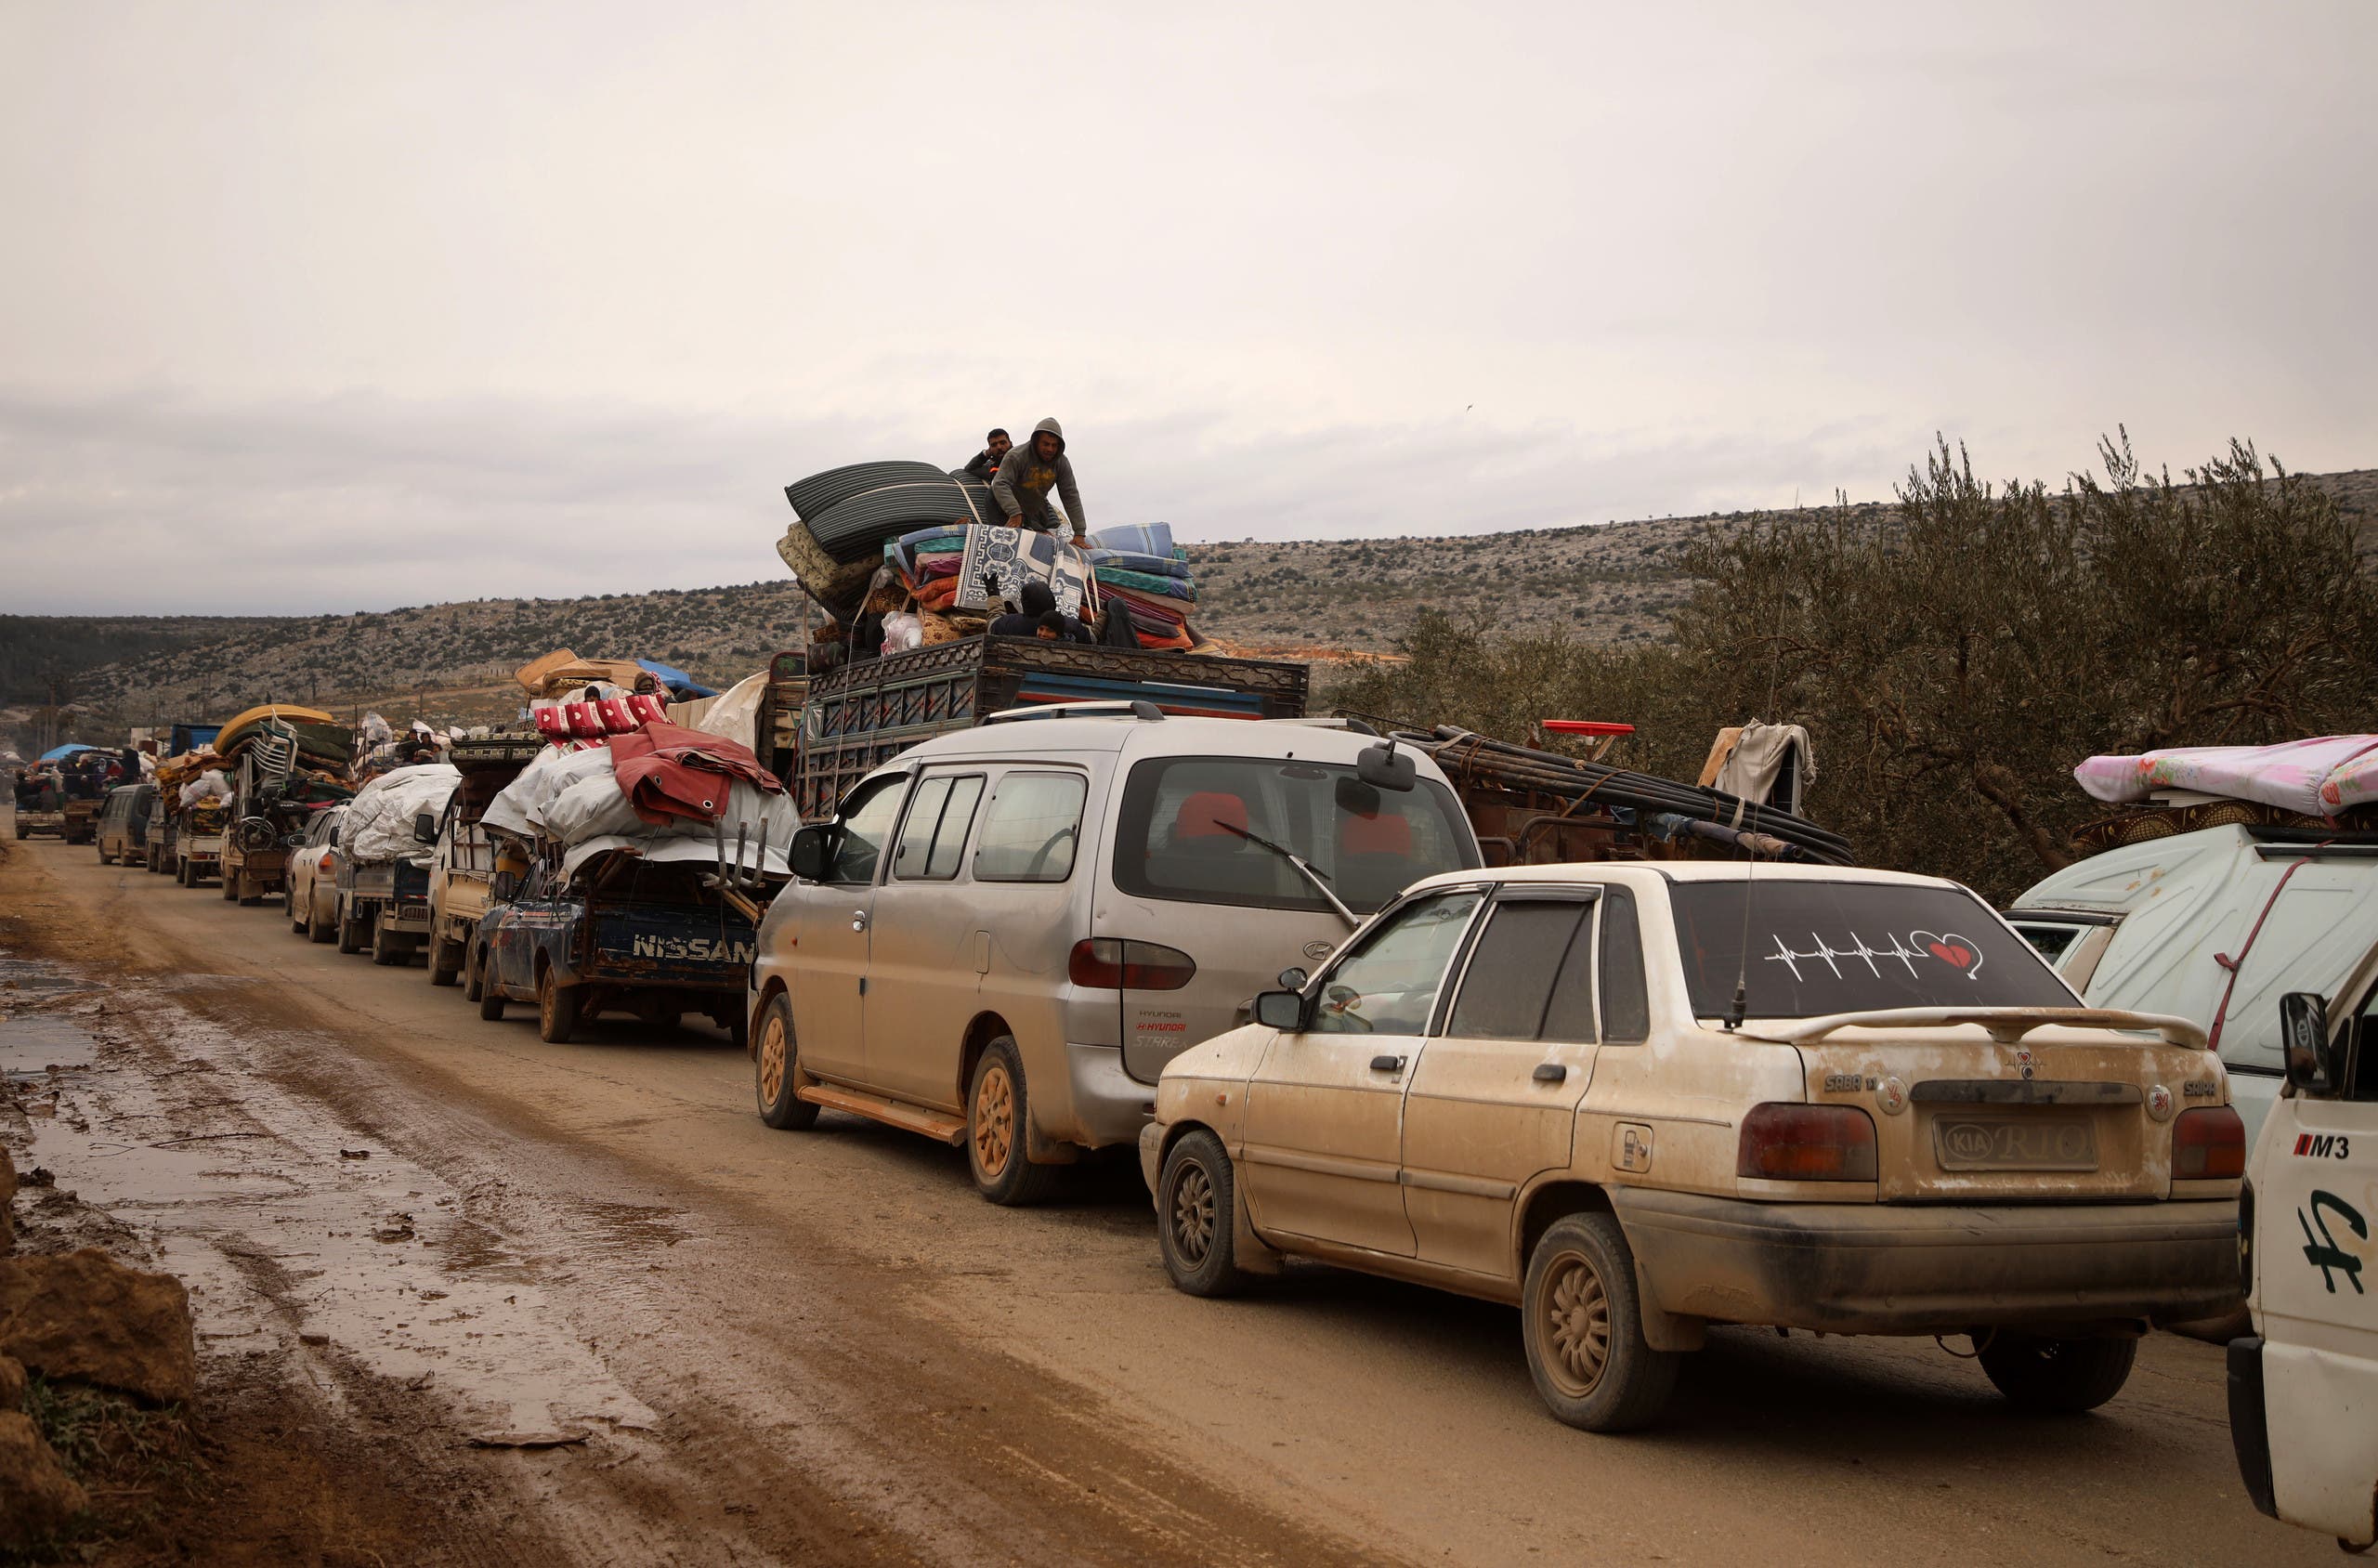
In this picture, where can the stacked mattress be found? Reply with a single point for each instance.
(852, 512)
(1145, 577)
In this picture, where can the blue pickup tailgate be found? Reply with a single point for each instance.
(672, 945)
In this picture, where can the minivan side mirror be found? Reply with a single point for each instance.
(424, 826)
(812, 853)
(2303, 1038)
(1383, 767)
(1280, 1010)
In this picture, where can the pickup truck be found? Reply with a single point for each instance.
(194, 841)
(462, 866)
(638, 933)
(383, 906)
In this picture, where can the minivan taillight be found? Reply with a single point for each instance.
(1783, 1142)
(2208, 1145)
(1108, 963)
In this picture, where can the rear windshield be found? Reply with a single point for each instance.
(1817, 948)
(1190, 829)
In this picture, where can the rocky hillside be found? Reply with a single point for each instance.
(1611, 582)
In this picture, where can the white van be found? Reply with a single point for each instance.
(1004, 934)
(2304, 1387)
(2213, 926)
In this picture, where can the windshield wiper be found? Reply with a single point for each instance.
(1319, 879)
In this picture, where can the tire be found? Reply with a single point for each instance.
(998, 1115)
(316, 928)
(445, 961)
(350, 930)
(491, 994)
(105, 859)
(385, 950)
(1581, 1288)
(775, 1072)
(2060, 1377)
(181, 872)
(1197, 1216)
(557, 1008)
(473, 986)
(230, 887)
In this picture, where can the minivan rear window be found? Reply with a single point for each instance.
(1211, 830)
(1818, 947)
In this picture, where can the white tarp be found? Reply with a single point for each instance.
(574, 798)
(555, 769)
(208, 784)
(733, 714)
(378, 825)
(669, 850)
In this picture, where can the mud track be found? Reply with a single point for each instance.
(408, 1229)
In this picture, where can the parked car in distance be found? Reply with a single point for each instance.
(1004, 934)
(310, 896)
(2302, 1385)
(123, 824)
(2215, 925)
(1635, 1102)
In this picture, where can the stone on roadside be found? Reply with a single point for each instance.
(85, 1315)
(36, 1494)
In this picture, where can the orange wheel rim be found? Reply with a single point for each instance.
(772, 1060)
(994, 1120)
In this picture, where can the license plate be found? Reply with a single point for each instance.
(2015, 1143)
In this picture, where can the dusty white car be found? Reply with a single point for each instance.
(1636, 1101)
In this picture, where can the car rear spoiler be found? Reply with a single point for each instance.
(2007, 1024)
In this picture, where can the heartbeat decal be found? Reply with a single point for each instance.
(1956, 951)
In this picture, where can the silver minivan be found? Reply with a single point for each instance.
(1005, 933)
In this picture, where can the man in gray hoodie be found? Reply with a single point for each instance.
(1026, 476)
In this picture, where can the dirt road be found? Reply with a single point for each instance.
(823, 1347)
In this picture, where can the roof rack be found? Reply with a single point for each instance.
(1346, 722)
(1135, 708)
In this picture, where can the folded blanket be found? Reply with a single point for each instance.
(1146, 582)
(1147, 538)
(1175, 565)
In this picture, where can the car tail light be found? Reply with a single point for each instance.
(2208, 1145)
(1107, 963)
(1783, 1142)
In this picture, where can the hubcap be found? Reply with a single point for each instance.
(772, 1055)
(994, 1120)
(1193, 1214)
(1572, 1318)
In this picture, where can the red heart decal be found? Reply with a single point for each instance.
(1957, 952)
(1950, 954)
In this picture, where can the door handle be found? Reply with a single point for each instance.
(859, 919)
(1387, 1064)
(1550, 1072)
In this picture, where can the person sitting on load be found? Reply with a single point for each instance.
(986, 464)
(1040, 618)
(1026, 476)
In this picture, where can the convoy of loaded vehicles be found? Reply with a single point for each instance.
(1633, 1094)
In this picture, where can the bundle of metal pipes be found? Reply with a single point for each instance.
(1468, 756)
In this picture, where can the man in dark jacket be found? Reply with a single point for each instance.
(1029, 473)
(1040, 616)
(986, 465)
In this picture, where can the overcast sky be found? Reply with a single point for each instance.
(336, 306)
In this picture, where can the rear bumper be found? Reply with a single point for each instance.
(2317, 1465)
(1110, 1106)
(1890, 1268)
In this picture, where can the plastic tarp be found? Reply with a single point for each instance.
(66, 751)
(378, 825)
(556, 768)
(680, 848)
(2316, 778)
(736, 715)
(574, 798)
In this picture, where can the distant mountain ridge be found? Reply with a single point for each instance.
(1607, 582)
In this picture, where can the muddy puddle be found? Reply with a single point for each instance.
(302, 1240)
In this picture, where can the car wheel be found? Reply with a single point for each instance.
(2061, 1375)
(1583, 1326)
(350, 930)
(385, 951)
(556, 1008)
(445, 961)
(230, 887)
(775, 1072)
(472, 985)
(491, 994)
(105, 859)
(1197, 1212)
(998, 1114)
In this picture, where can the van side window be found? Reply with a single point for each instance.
(1626, 1004)
(1530, 977)
(866, 823)
(935, 830)
(1032, 827)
